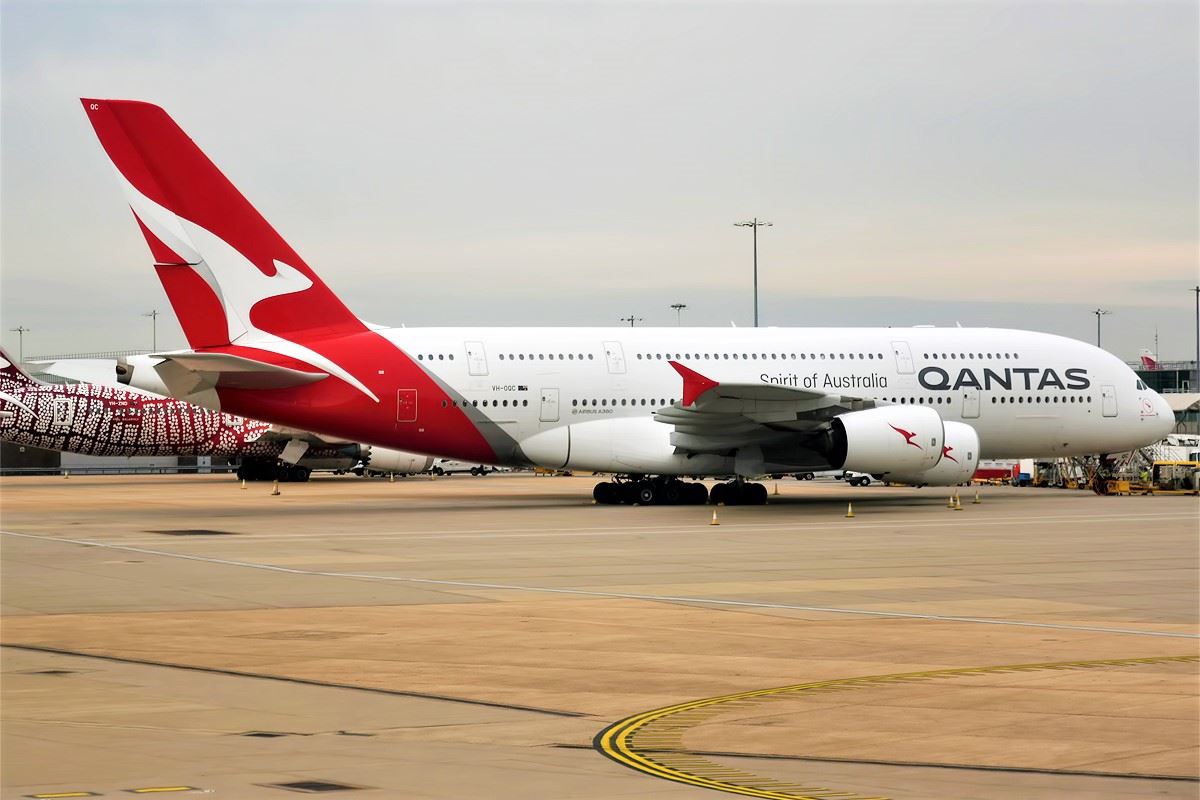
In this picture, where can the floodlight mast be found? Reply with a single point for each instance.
(1099, 312)
(754, 225)
(20, 331)
(679, 307)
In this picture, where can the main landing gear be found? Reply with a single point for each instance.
(651, 491)
(266, 469)
(674, 492)
(739, 493)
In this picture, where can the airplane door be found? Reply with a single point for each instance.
(406, 405)
(904, 359)
(549, 410)
(476, 359)
(970, 409)
(616, 358)
(1108, 401)
(64, 412)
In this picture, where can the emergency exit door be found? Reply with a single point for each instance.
(970, 407)
(406, 405)
(1108, 401)
(904, 359)
(549, 408)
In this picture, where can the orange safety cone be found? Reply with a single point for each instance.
(849, 510)
(714, 518)
(275, 489)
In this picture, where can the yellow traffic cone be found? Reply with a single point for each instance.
(275, 489)
(243, 483)
(714, 519)
(391, 477)
(849, 510)
(957, 503)
(950, 502)
(776, 492)
(976, 501)
(66, 473)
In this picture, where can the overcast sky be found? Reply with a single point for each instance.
(1003, 164)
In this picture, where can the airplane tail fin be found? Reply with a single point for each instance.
(11, 372)
(1148, 361)
(230, 277)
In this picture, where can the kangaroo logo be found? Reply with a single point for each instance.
(908, 436)
(946, 453)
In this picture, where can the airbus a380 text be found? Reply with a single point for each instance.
(270, 340)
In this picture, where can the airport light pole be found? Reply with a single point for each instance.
(679, 307)
(1099, 312)
(153, 315)
(631, 319)
(1196, 384)
(754, 225)
(20, 331)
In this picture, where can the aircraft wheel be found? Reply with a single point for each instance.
(697, 494)
(606, 493)
(755, 494)
(717, 495)
(673, 493)
(646, 493)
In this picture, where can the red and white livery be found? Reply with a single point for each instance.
(270, 340)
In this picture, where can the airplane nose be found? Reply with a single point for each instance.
(1166, 417)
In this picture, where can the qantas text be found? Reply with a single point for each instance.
(1020, 378)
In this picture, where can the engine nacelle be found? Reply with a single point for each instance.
(139, 372)
(384, 459)
(960, 459)
(887, 440)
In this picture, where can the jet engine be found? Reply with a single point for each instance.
(384, 459)
(960, 459)
(887, 440)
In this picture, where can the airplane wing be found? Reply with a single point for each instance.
(715, 417)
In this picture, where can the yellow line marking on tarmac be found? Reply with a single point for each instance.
(48, 795)
(652, 741)
(159, 789)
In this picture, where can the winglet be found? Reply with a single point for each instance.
(694, 384)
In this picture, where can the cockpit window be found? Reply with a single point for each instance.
(1141, 385)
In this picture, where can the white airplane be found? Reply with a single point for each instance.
(649, 405)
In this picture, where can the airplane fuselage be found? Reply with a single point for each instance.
(1026, 394)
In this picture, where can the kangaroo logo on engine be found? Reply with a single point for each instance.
(1027, 378)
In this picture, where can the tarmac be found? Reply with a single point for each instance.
(503, 637)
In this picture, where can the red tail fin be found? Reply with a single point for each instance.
(226, 271)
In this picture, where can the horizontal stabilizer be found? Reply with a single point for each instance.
(238, 372)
